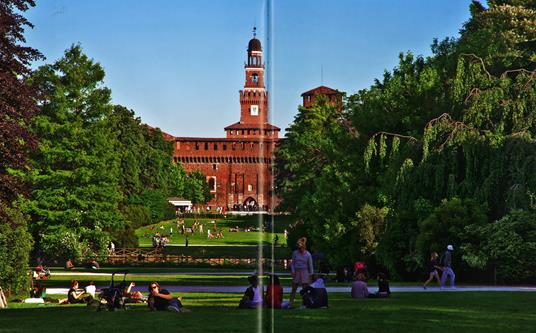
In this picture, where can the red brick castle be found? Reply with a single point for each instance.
(238, 167)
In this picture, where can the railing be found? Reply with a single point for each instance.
(157, 256)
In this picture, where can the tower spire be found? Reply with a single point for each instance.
(254, 31)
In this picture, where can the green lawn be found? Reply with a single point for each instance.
(172, 276)
(228, 251)
(241, 238)
(144, 278)
(146, 269)
(404, 312)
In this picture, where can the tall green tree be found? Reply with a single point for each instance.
(148, 175)
(447, 134)
(315, 180)
(131, 148)
(75, 171)
(17, 107)
(476, 145)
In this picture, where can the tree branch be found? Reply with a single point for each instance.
(472, 55)
(395, 135)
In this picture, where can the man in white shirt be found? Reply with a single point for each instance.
(91, 289)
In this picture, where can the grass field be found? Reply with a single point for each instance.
(144, 280)
(404, 312)
(228, 251)
(144, 277)
(230, 238)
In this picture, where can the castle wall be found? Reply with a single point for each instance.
(240, 169)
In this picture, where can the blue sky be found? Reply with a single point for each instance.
(179, 64)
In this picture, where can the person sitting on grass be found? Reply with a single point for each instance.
(315, 295)
(253, 295)
(38, 290)
(274, 294)
(69, 264)
(162, 300)
(359, 287)
(93, 264)
(383, 287)
(76, 295)
(91, 288)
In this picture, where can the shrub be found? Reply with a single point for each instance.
(508, 245)
(60, 243)
(156, 201)
(15, 246)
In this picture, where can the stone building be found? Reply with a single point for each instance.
(238, 167)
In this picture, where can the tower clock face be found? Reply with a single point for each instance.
(254, 110)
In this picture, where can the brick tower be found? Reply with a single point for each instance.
(253, 99)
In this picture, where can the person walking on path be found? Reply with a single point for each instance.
(446, 262)
(301, 267)
(433, 268)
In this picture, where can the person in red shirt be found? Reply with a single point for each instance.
(274, 293)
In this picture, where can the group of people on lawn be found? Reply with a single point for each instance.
(158, 299)
(314, 293)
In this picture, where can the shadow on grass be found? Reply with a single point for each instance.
(212, 312)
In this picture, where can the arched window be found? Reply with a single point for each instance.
(255, 78)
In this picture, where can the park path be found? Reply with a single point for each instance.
(241, 289)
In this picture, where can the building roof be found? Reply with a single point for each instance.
(322, 90)
(179, 202)
(240, 125)
(254, 45)
(166, 136)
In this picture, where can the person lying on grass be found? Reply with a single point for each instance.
(76, 295)
(162, 300)
(132, 296)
